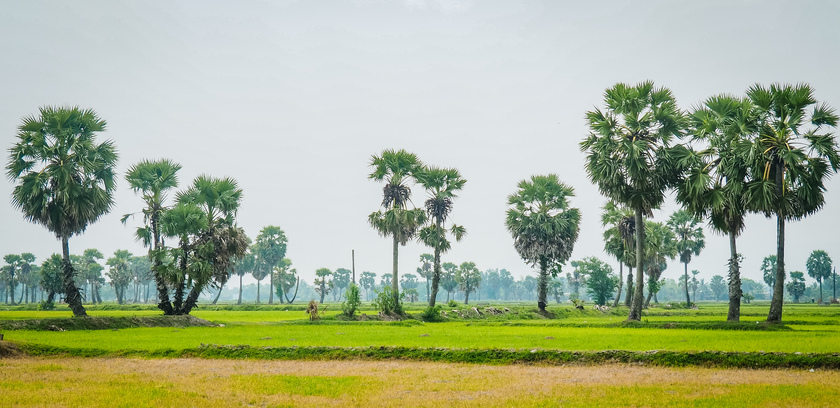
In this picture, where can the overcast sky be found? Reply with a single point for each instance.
(292, 99)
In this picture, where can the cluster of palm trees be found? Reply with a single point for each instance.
(768, 152)
(399, 168)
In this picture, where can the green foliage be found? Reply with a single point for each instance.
(452, 303)
(601, 282)
(352, 300)
(718, 286)
(432, 314)
(387, 303)
(796, 286)
(46, 305)
(768, 269)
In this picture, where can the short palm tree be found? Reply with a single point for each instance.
(396, 168)
(618, 242)
(660, 246)
(690, 240)
(717, 175)
(65, 179)
(543, 225)
(184, 221)
(270, 249)
(152, 179)
(819, 267)
(628, 155)
(791, 162)
(442, 185)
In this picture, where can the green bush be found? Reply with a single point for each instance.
(452, 303)
(46, 305)
(432, 314)
(352, 302)
(386, 303)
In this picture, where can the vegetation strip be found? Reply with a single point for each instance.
(103, 323)
(663, 358)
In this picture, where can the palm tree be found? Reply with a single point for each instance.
(153, 179)
(660, 245)
(92, 271)
(270, 249)
(543, 226)
(184, 221)
(426, 270)
(819, 267)
(11, 267)
(242, 266)
(396, 167)
(65, 180)
(629, 158)
(442, 185)
(690, 240)
(119, 273)
(792, 161)
(618, 242)
(717, 176)
(468, 278)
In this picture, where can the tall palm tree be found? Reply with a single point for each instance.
(442, 185)
(690, 240)
(65, 180)
(396, 168)
(426, 270)
(543, 225)
(270, 249)
(119, 272)
(793, 161)
(618, 242)
(819, 267)
(629, 156)
(152, 179)
(718, 174)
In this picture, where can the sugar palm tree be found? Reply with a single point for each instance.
(792, 160)
(629, 156)
(660, 246)
(717, 176)
(396, 168)
(618, 242)
(690, 240)
(442, 186)
(819, 267)
(152, 179)
(184, 221)
(65, 179)
(543, 225)
(270, 249)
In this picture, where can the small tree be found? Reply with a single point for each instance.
(322, 284)
(768, 269)
(796, 286)
(819, 267)
(717, 286)
(352, 300)
(468, 278)
(600, 280)
(368, 281)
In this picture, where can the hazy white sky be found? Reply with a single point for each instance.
(292, 98)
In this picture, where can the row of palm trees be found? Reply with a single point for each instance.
(768, 152)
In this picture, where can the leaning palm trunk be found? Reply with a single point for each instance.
(71, 292)
(775, 315)
(639, 293)
(218, 294)
(620, 283)
(734, 314)
(160, 283)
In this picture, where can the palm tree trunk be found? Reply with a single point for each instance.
(218, 294)
(239, 302)
(775, 315)
(289, 301)
(734, 314)
(620, 284)
(629, 297)
(435, 280)
(639, 293)
(71, 292)
(395, 280)
(160, 284)
(323, 288)
(819, 279)
(542, 285)
(271, 283)
(258, 293)
(687, 297)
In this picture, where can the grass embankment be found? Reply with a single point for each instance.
(223, 383)
(103, 323)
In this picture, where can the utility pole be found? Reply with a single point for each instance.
(353, 257)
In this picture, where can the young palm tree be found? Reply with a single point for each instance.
(184, 221)
(65, 180)
(442, 185)
(792, 162)
(689, 241)
(660, 245)
(543, 226)
(270, 249)
(153, 178)
(819, 267)
(716, 180)
(618, 242)
(629, 157)
(396, 167)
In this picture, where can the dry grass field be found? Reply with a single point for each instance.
(123, 382)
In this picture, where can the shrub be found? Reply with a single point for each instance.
(452, 303)
(352, 300)
(386, 303)
(432, 314)
(46, 305)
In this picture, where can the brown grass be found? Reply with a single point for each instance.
(221, 383)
